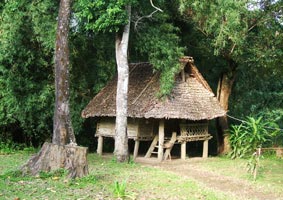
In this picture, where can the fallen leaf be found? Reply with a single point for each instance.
(55, 178)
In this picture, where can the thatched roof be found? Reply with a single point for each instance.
(192, 99)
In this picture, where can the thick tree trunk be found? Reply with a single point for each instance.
(58, 154)
(223, 93)
(62, 128)
(121, 138)
(52, 157)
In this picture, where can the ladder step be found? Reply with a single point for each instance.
(155, 152)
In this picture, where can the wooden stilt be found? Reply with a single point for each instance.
(136, 149)
(183, 150)
(100, 145)
(161, 140)
(205, 149)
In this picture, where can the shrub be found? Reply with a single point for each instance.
(251, 134)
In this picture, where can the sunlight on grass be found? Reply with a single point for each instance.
(141, 182)
(270, 175)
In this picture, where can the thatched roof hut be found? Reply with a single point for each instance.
(191, 101)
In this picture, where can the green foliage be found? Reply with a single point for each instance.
(120, 189)
(105, 16)
(27, 76)
(13, 175)
(53, 174)
(25, 67)
(250, 35)
(250, 135)
(92, 64)
(158, 40)
(87, 179)
(223, 22)
(9, 147)
(257, 94)
(209, 31)
(237, 142)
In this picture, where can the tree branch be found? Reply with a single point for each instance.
(148, 16)
(140, 18)
(155, 6)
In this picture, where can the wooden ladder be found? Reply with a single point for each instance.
(153, 146)
(168, 145)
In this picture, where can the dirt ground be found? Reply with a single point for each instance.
(240, 189)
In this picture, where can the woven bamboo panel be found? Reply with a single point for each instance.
(194, 132)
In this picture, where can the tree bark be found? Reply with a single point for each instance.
(62, 128)
(52, 157)
(121, 138)
(58, 154)
(224, 89)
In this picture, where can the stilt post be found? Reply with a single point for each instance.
(100, 145)
(183, 150)
(205, 149)
(136, 149)
(161, 140)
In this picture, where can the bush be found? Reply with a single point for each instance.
(251, 134)
(9, 147)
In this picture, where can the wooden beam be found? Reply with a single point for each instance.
(136, 149)
(100, 145)
(183, 150)
(205, 149)
(161, 140)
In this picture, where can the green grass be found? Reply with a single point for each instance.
(269, 178)
(141, 182)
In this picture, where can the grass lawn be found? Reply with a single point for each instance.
(270, 173)
(142, 182)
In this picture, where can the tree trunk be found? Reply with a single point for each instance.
(58, 154)
(62, 128)
(223, 93)
(121, 138)
(52, 157)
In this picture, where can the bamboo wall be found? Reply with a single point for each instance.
(137, 128)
